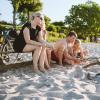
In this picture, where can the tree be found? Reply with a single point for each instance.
(24, 7)
(14, 5)
(52, 28)
(60, 23)
(84, 18)
(60, 26)
(47, 21)
(27, 6)
(22, 18)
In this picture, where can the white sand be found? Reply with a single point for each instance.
(59, 83)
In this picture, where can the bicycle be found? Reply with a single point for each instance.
(6, 49)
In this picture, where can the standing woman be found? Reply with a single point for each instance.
(27, 41)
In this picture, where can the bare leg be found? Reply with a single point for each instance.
(35, 54)
(42, 59)
(46, 62)
(48, 51)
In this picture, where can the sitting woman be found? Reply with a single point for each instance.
(27, 42)
(42, 39)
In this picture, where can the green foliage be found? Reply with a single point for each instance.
(2, 27)
(4, 22)
(60, 27)
(53, 36)
(60, 23)
(47, 20)
(64, 30)
(51, 27)
(84, 18)
(61, 35)
(5, 26)
(23, 8)
(22, 18)
(8, 26)
(27, 6)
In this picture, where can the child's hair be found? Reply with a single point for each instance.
(77, 41)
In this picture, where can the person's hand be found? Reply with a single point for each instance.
(50, 45)
(77, 60)
(43, 44)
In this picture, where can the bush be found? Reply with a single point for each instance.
(62, 35)
(51, 28)
(53, 36)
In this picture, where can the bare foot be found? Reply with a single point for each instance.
(35, 69)
(47, 67)
(42, 69)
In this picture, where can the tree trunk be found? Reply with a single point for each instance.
(14, 17)
(28, 15)
(91, 38)
(14, 22)
(95, 38)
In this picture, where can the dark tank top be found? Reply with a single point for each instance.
(19, 42)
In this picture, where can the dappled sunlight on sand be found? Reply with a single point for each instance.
(59, 83)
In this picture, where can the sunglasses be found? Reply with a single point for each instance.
(40, 17)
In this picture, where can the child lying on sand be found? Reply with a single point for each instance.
(77, 51)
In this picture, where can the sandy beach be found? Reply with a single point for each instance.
(58, 83)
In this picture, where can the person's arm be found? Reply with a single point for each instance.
(40, 37)
(81, 53)
(71, 51)
(75, 53)
(59, 54)
(27, 38)
(45, 35)
(43, 41)
(68, 56)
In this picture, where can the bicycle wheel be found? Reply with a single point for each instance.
(8, 55)
(0, 50)
(6, 52)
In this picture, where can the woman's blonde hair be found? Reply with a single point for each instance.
(77, 41)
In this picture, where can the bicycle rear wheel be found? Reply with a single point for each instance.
(7, 54)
